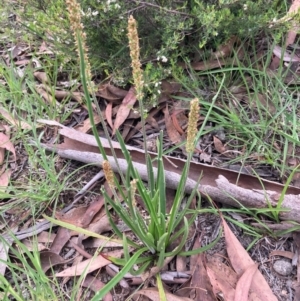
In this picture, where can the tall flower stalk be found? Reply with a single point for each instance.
(77, 27)
(134, 46)
(192, 125)
(137, 73)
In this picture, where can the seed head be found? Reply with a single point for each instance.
(74, 10)
(135, 57)
(192, 125)
(109, 174)
(132, 191)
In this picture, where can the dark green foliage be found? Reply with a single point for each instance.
(167, 28)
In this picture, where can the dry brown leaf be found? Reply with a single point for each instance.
(222, 270)
(91, 211)
(108, 114)
(226, 49)
(48, 97)
(86, 125)
(211, 64)
(153, 294)
(152, 121)
(173, 134)
(124, 109)
(98, 242)
(14, 121)
(22, 62)
(170, 88)
(49, 259)
(59, 94)
(138, 126)
(6, 144)
(95, 285)
(200, 281)
(219, 146)
(285, 254)
(33, 246)
(41, 76)
(4, 179)
(5, 244)
(121, 93)
(61, 238)
(128, 125)
(241, 261)
(46, 237)
(73, 216)
(44, 49)
(100, 223)
(290, 36)
(179, 119)
(220, 285)
(293, 32)
(104, 91)
(244, 283)
(285, 55)
(86, 266)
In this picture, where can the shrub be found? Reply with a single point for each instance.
(168, 29)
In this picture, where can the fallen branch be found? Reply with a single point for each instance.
(221, 191)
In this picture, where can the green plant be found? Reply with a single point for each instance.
(168, 30)
(27, 281)
(158, 229)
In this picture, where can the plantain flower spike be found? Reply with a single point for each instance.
(108, 173)
(133, 190)
(135, 57)
(74, 12)
(192, 125)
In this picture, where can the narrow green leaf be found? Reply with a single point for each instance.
(79, 230)
(179, 232)
(150, 241)
(161, 256)
(113, 225)
(290, 178)
(127, 155)
(162, 224)
(160, 287)
(202, 249)
(162, 241)
(141, 269)
(187, 206)
(151, 180)
(84, 82)
(183, 239)
(125, 248)
(177, 200)
(113, 282)
(122, 261)
(161, 180)
(5, 285)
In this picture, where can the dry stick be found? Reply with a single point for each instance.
(225, 192)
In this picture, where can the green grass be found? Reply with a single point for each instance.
(252, 127)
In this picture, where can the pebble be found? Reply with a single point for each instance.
(283, 267)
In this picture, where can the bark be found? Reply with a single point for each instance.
(221, 191)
